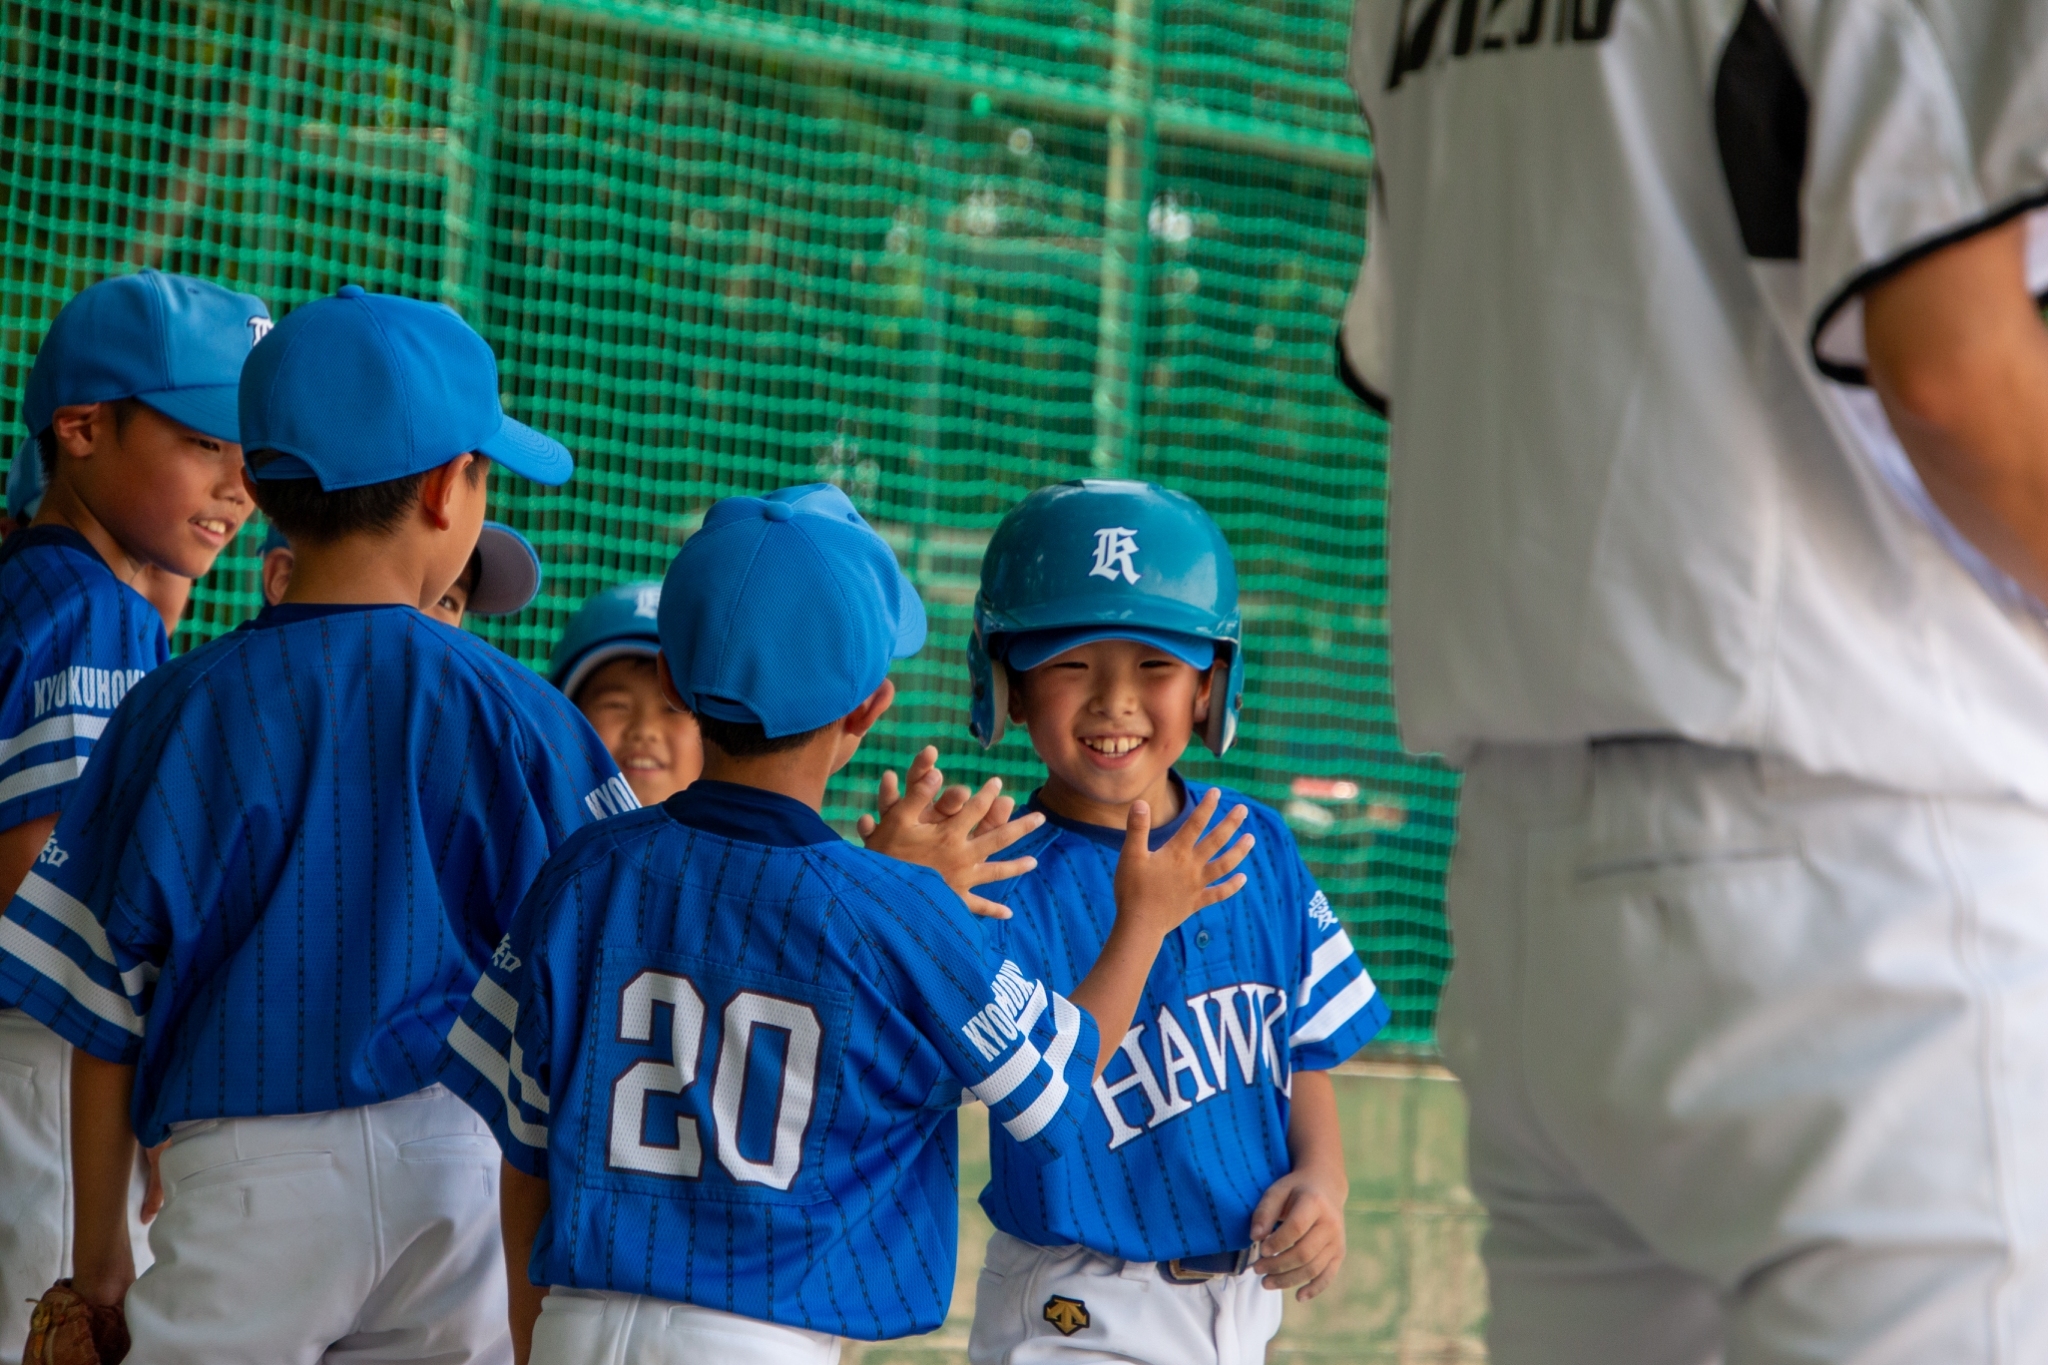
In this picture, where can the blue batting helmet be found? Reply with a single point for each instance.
(619, 622)
(1108, 559)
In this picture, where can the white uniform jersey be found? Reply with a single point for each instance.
(1612, 293)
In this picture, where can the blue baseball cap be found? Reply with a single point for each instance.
(364, 388)
(786, 610)
(1029, 650)
(25, 481)
(173, 342)
(509, 575)
(618, 623)
(508, 578)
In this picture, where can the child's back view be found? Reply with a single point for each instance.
(293, 851)
(722, 1047)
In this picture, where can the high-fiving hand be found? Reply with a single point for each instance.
(952, 831)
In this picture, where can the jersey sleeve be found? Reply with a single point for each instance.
(1019, 1046)
(1924, 128)
(82, 940)
(497, 1053)
(61, 675)
(1336, 1009)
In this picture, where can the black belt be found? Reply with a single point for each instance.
(1201, 1269)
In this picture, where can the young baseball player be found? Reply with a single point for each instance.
(131, 477)
(503, 575)
(1209, 1173)
(722, 1048)
(605, 664)
(281, 874)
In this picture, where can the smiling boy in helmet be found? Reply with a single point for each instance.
(1210, 1174)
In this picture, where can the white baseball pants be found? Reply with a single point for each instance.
(35, 1174)
(359, 1235)
(1757, 1061)
(1132, 1313)
(598, 1327)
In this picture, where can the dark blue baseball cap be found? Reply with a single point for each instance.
(786, 610)
(618, 623)
(173, 342)
(364, 388)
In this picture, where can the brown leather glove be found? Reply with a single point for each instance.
(67, 1330)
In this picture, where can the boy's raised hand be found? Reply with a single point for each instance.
(957, 844)
(1159, 888)
(948, 803)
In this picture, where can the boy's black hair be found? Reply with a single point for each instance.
(46, 439)
(747, 738)
(302, 508)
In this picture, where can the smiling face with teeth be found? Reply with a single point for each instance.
(150, 490)
(1110, 719)
(655, 745)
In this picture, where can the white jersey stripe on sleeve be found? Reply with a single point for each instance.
(1329, 953)
(469, 1045)
(69, 911)
(1009, 1075)
(1339, 1008)
(1067, 1026)
(52, 963)
(42, 775)
(497, 1002)
(1035, 1006)
(55, 730)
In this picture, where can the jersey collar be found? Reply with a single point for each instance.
(748, 815)
(1190, 796)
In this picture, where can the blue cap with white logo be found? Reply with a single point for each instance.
(786, 610)
(173, 342)
(25, 481)
(618, 623)
(363, 388)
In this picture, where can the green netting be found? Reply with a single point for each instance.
(936, 253)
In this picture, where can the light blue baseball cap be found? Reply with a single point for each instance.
(362, 388)
(25, 481)
(786, 610)
(1029, 650)
(171, 341)
(618, 623)
(508, 578)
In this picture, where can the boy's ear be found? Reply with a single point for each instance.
(863, 717)
(1009, 696)
(438, 491)
(1204, 690)
(76, 426)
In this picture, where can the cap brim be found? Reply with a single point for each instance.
(579, 672)
(510, 574)
(210, 411)
(910, 619)
(525, 451)
(1039, 646)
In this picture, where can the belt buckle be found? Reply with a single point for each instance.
(1202, 1269)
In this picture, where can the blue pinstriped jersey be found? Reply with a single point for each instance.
(1189, 1124)
(73, 640)
(293, 851)
(734, 1045)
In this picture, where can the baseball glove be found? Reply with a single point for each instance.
(67, 1330)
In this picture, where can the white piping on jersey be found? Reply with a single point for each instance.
(1328, 954)
(469, 1045)
(1066, 1020)
(498, 1002)
(41, 776)
(1012, 1073)
(69, 911)
(1335, 1011)
(55, 730)
(52, 962)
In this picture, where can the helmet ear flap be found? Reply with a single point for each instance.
(990, 705)
(1226, 696)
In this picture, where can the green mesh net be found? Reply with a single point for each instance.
(937, 253)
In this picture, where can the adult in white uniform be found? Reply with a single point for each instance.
(1719, 533)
